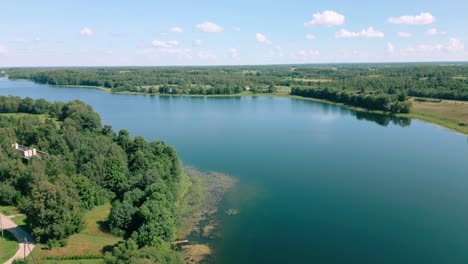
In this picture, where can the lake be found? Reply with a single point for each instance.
(317, 183)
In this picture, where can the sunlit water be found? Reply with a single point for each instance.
(317, 183)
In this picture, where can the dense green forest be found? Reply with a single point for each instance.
(88, 164)
(373, 86)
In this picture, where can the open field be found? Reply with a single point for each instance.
(445, 113)
(42, 118)
(74, 261)
(90, 241)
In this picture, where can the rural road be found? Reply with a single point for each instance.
(20, 234)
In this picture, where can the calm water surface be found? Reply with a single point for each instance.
(317, 183)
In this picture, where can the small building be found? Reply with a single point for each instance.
(27, 152)
(246, 88)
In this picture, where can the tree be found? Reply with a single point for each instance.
(53, 214)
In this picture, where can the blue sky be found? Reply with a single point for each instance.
(99, 33)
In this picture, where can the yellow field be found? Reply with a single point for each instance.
(446, 113)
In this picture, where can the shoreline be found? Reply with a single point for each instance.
(430, 119)
(199, 221)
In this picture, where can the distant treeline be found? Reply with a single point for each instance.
(420, 80)
(89, 164)
(373, 101)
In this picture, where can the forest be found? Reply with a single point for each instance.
(87, 165)
(383, 87)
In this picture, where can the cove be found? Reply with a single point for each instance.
(317, 183)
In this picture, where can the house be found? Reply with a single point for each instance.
(27, 152)
(246, 88)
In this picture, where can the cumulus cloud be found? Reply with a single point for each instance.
(234, 53)
(454, 45)
(390, 48)
(327, 18)
(421, 19)
(365, 33)
(164, 44)
(3, 50)
(404, 34)
(86, 32)
(262, 39)
(310, 36)
(434, 31)
(176, 30)
(209, 27)
(198, 42)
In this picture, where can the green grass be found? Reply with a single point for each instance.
(8, 246)
(8, 210)
(74, 261)
(22, 222)
(90, 241)
(42, 117)
(446, 113)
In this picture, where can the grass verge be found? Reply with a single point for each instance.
(8, 246)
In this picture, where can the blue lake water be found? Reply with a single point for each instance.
(317, 183)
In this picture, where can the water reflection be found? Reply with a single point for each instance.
(383, 119)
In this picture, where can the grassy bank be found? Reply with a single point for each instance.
(197, 223)
(446, 113)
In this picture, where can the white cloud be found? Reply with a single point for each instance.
(164, 44)
(434, 31)
(305, 55)
(234, 53)
(421, 19)
(198, 42)
(390, 48)
(262, 39)
(237, 29)
(86, 32)
(209, 27)
(404, 34)
(206, 55)
(176, 30)
(310, 36)
(454, 45)
(365, 33)
(3, 50)
(328, 18)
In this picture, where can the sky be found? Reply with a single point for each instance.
(240, 32)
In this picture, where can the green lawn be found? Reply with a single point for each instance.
(8, 246)
(74, 261)
(90, 241)
(445, 113)
(8, 210)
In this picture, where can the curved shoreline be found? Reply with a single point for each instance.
(424, 118)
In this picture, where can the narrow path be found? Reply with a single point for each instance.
(21, 235)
